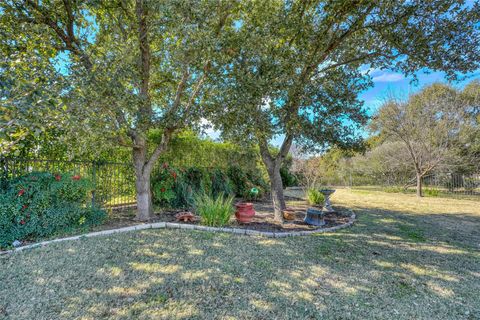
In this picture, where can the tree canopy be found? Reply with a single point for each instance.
(131, 66)
(256, 69)
(298, 70)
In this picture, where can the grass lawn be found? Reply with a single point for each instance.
(405, 258)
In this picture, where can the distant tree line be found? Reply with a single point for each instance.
(433, 132)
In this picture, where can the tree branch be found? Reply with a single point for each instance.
(162, 146)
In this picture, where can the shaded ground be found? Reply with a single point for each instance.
(404, 259)
(264, 218)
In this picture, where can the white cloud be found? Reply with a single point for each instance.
(388, 77)
(379, 75)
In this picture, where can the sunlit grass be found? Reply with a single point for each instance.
(405, 258)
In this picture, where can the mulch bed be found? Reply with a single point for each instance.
(262, 221)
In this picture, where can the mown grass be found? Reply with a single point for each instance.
(405, 258)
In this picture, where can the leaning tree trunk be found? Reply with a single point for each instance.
(273, 165)
(419, 185)
(276, 186)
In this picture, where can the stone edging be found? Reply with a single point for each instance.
(170, 225)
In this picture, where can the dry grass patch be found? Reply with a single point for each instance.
(403, 259)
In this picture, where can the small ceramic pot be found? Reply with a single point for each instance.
(289, 214)
(245, 212)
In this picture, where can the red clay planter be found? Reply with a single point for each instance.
(245, 212)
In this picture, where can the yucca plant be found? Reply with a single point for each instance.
(214, 212)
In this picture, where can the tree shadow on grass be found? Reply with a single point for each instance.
(389, 264)
(379, 268)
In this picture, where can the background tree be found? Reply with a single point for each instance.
(295, 66)
(429, 125)
(470, 151)
(131, 66)
(387, 163)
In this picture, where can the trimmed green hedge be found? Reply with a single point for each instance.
(175, 187)
(41, 204)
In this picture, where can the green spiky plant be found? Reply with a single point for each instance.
(214, 212)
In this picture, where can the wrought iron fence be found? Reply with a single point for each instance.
(114, 183)
(443, 183)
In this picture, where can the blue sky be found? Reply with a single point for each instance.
(388, 83)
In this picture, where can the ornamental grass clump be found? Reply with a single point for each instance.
(214, 212)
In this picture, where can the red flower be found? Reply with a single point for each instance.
(76, 177)
(162, 190)
(58, 177)
(21, 192)
(174, 175)
(165, 165)
(22, 222)
(24, 207)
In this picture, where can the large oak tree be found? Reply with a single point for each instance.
(296, 67)
(130, 66)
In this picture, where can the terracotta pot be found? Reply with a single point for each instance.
(289, 214)
(245, 212)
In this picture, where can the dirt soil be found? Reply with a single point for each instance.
(262, 221)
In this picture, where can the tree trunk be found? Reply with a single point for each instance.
(273, 165)
(276, 186)
(142, 181)
(419, 185)
(144, 197)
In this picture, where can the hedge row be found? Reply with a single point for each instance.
(38, 205)
(176, 187)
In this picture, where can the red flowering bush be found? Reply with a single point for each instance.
(41, 204)
(173, 187)
(163, 185)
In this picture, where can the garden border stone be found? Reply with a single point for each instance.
(185, 226)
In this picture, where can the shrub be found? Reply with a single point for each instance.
(239, 179)
(214, 211)
(431, 192)
(315, 197)
(163, 184)
(175, 188)
(288, 179)
(220, 183)
(41, 204)
(243, 181)
(183, 194)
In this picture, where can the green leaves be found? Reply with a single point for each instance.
(296, 66)
(214, 212)
(40, 204)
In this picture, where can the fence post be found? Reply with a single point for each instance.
(94, 181)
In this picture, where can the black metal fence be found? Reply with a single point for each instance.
(113, 183)
(444, 183)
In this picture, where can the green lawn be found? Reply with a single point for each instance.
(404, 258)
